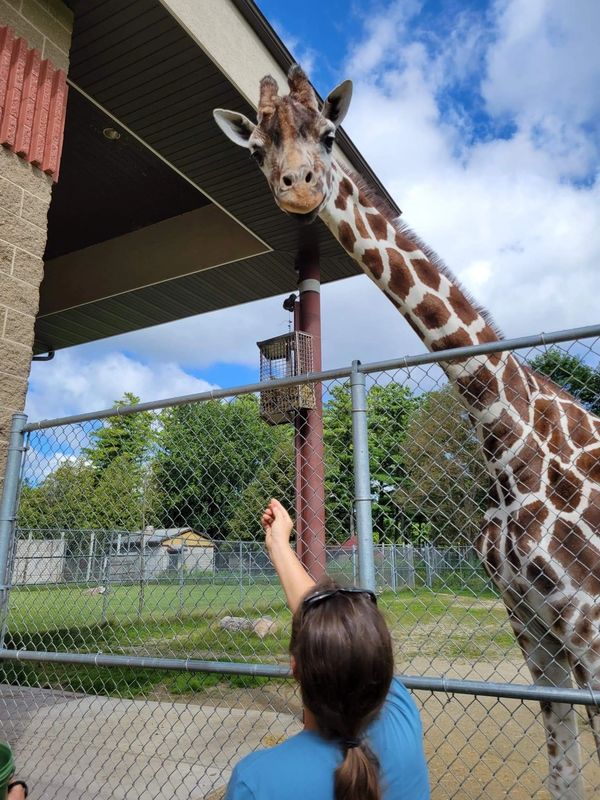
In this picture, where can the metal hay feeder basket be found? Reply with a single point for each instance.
(286, 356)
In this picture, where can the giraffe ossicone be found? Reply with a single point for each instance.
(541, 538)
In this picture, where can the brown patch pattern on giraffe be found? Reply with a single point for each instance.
(564, 487)
(526, 526)
(479, 389)
(360, 224)
(461, 306)
(531, 518)
(401, 281)
(542, 576)
(576, 554)
(559, 445)
(491, 541)
(344, 192)
(487, 335)
(508, 497)
(372, 260)
(378, 225)
(579, 425)
(591, 513)
(545, 416)
(346, 236)
(500, 435)
(432, 312)
(459, 338)
(512, 555)
(527, 466)
(583, 629)
(515, 387)
(589, 464)
(426, 272)
(406, 244)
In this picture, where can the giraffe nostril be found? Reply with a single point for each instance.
(287, 180)
(309, 176)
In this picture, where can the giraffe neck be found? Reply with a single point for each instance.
(431, 301)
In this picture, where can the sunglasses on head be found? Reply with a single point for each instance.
(325, 594)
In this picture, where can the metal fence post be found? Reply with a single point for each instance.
(180, 565)
(241, 575)
(142, 578)
(362, 479)
(394, 577)
(106, 584)
(8, 512)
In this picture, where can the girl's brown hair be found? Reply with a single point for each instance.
(344, 665)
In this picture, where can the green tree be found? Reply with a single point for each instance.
(573, 374)
(63, 500)
(105, 488)
(275, 478)
(443, 496)
(130, 437)
(389, 408)
(210, 455)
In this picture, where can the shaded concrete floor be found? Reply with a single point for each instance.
(69, 746)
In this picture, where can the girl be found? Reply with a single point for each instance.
(362, 737)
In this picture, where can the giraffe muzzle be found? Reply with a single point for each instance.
(300, 201)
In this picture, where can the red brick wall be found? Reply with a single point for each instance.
(33, 100)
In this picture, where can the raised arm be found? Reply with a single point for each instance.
(294, 578)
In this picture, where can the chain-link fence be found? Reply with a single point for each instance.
(145, 634)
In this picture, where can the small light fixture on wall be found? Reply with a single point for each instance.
(111, 134)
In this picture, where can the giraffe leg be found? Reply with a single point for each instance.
(588, 677)
(549, 666)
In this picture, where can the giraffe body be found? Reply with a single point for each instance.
(541, 539)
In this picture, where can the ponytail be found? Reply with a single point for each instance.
(357, 777)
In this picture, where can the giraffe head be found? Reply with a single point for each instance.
(292, 140)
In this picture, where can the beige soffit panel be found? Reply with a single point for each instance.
(227, 39)
(198, 240)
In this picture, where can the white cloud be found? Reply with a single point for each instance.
(502, 203)
(73, 383)
(543, 71)
(301, 52)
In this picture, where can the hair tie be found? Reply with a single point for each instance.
(350, 743)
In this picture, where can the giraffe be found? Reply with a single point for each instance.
(540, 541)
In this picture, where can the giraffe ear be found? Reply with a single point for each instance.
(235, 126)
(337, 103)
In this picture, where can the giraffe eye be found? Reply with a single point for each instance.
(258, 156)
(327, 141)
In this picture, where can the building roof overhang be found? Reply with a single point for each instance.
(169, 219)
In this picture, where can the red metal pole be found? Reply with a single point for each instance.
(309, 427)
(298, 459)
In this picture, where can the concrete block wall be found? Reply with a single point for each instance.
(25, 194)
(44, 24)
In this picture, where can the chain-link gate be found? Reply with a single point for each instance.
(145, 634)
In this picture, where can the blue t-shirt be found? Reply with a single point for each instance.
(302, 767)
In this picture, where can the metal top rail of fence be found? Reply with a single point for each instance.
(502, 345)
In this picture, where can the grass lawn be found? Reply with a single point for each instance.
(167, 620)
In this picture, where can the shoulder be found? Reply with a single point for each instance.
(399, 698)
(264, 772)
(399, 716)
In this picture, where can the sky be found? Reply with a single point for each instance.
(481, 117)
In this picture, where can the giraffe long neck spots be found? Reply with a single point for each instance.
(433, 304)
